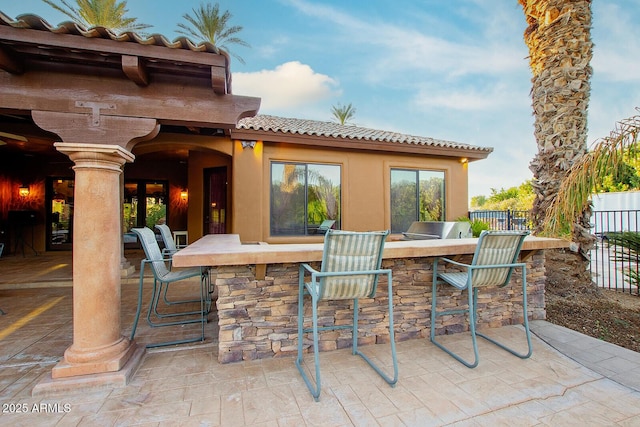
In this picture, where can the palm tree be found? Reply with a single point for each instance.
(207, 24)
(99, 13)
(343, 114)
(560, 50)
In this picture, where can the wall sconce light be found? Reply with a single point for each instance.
(23, 191)
(248, 144)
(184, 195)
(464, 160)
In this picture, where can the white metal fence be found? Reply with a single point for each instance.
(614, 261)
(613, 264)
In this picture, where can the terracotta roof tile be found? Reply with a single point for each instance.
(34, 22)
(293, 126)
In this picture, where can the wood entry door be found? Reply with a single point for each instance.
(215, 206)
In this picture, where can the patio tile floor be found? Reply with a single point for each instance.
(570, 379)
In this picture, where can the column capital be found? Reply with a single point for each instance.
(95, 128)
(101, 156)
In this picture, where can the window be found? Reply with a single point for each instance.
(416, 195)
(302, 196)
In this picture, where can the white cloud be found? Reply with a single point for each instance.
(612, 59)
(473, 98)
(288, 86)
(397, 49)
(273, 47)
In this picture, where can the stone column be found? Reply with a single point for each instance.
(98, 344)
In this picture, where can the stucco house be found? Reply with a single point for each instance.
(100, 133)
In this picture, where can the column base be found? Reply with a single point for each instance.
(50, 386)
(126, 272)
(111, 358)
(126, 269)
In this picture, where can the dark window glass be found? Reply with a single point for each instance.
(303, 196)
(416, 195)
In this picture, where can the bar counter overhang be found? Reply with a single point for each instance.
(257, 287)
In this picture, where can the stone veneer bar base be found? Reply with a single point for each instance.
(82, 383)
(258, 318)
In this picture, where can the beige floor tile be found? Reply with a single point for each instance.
(390, 421)
(587, 414)
(292, 421)
(421, 417)
(346, 395)
(260, 405)
(376, 401)
(324, 413)
(206, 405)
(401, 397)
(155, 413)
(231, 411)
(493, 392)
(631, 421)
(361, 416)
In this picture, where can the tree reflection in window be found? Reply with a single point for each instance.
(416, 195)
(302, 196)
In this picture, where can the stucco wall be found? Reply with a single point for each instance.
(198, 162)
(365, 186)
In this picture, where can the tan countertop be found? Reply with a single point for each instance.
(226, 249)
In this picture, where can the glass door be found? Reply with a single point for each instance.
(60, 213)
(145, 204)
(215, 204)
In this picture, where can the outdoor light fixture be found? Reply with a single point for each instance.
(464, 160)
(184, 194)
(23, 191)
(248, 144)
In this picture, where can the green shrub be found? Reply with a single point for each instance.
(477, 225)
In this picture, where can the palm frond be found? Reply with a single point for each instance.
(208, 24)
(343, 113)
(608, 155)
(67, 10)
(99, 13)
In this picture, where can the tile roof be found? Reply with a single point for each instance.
(335, 130)
(34, 22)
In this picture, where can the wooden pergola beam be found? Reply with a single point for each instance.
(171, 102)
(9, 62)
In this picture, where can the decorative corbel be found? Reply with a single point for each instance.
(135, 70)
(219, 80)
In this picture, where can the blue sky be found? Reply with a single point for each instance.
(454, 70)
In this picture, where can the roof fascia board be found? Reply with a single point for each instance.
(355, 144)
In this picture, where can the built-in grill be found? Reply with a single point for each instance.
(426, 230)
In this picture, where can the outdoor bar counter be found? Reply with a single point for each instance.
(257, 287)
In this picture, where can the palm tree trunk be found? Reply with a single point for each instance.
(560, 50)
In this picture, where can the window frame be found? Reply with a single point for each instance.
(306, 224)
(417, 171)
